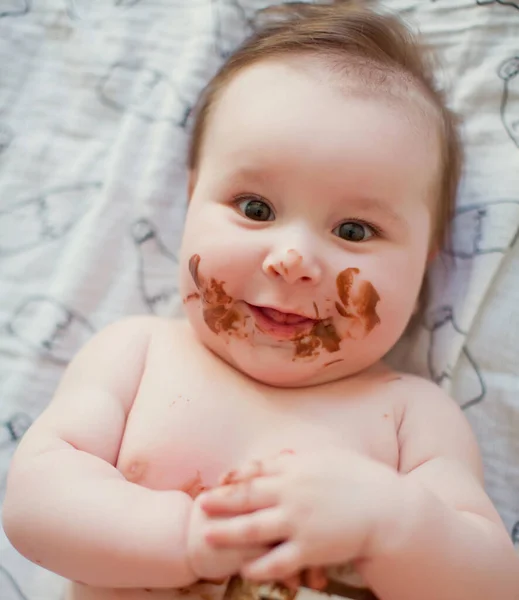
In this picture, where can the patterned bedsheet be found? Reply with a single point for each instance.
(95, 100)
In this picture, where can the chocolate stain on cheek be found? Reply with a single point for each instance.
(344, 284)
(219, 312)
(367, 305)
(357, 303)
(193, 296)
(221, 318)
(361, 304)
(194, 263)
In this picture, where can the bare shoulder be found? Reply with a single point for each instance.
(120, 344)
(94, 397)
(433, 426)
(438, 449)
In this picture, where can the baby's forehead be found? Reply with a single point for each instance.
(264, 119)
(350, 77)
(269, 86)
(289, 115)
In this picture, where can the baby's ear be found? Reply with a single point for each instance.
(191, 182)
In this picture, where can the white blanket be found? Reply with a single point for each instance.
(94, 100)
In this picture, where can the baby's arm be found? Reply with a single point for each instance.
(448, 541)
(67, 507)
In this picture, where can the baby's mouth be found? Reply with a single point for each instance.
(283, 318)
(279, 324)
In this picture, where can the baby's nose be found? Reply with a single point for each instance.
(293, 267)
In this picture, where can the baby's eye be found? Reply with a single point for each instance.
(256, 209)
(354, 231)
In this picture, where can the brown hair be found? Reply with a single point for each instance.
(378, 48)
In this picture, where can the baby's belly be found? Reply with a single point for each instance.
(199, 591)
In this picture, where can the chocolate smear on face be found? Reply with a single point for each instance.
(219, 312)
(316, 311)
(366, 304)
(342, 311)
(357, 304)
(214, 293)
(194, 263)
(306, 346)
(333, 362)
(345, 284)
(193, 296)
(326, 333)
(220, 318)
(322, 335)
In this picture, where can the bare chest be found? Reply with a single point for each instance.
(195, 419)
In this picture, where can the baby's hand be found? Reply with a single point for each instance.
(313, 577)
(312, 510)
(209, 562)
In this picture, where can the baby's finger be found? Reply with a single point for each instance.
(279, 564)
(257, 468)
(292, 583)
(240, 498)
(262, 527)
(315, 578)
(250, 471)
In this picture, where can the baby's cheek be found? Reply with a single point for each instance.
(396, 306)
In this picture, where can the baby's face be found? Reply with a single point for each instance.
(308, 228)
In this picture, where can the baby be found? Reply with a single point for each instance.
(264, 435)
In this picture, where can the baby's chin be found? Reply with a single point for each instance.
(275, 362)
(277, 367)
(278, 376)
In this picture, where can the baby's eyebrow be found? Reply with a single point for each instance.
(250, 173)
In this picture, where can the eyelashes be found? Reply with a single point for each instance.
(256, 208)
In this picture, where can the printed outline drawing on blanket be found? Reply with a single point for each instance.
(231, 25)
(513, 3)
(126, 3)
(478, 229)
(44, 218)
(442, 326)
(83, 10)
(515, 534)
(9, 588)
(96, 103)
(14, 8)
(6, 137)
(158, 267)
(12, 430)
(50, 328)
(484, 228)
(144, 91)
(509, 73)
